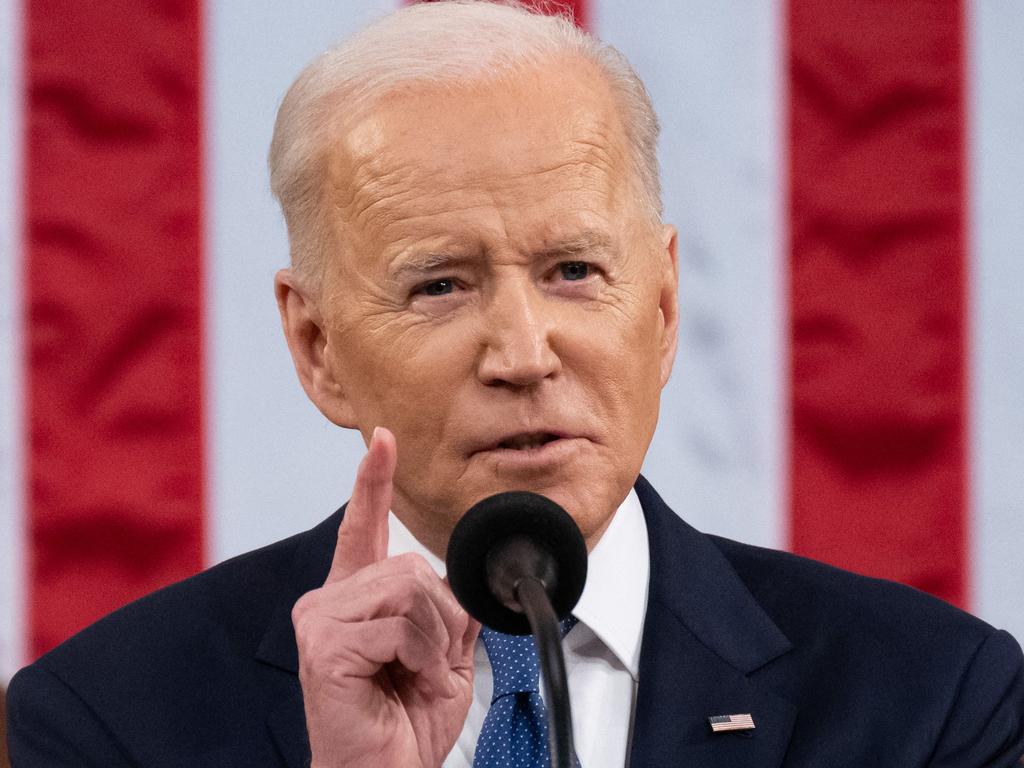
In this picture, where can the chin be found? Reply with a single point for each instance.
(591, 505)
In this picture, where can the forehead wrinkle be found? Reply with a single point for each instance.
(415, 259)
(586, 169)
(375, 178)
(389, 205)
(367, 192)
(406, 191)
(379, 184)
(597, 153)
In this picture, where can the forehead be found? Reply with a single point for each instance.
(538, 143)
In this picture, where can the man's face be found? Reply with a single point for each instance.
(497, 298)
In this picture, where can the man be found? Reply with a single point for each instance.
(481, 284)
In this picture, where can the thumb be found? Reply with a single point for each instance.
(363, 534)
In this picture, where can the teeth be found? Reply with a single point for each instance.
(526, 441)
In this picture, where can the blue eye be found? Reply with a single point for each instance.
(439, 287)
(574, 270)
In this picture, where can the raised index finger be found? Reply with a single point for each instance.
(363, 534)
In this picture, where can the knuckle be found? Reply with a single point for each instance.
(303, 608)
(309, 639)
(415, 565)
(408, 562)
(419, 577)
(402, 601)
(422, 569)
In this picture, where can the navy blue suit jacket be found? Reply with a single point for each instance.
(836, 669)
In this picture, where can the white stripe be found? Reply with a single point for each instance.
(275, 465)
(714, 71)
(12, 605)
(997, 245)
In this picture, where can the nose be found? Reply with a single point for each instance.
(518, 326)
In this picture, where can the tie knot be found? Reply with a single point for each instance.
(514, 661)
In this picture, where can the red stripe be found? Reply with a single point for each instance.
(879, 477)
(114, 282)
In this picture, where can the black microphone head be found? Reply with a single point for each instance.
(496, 520)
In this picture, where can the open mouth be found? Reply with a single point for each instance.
(527, 441)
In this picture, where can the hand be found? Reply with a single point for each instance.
(385, 651)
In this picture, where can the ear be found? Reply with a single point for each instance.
(669, 300)
(306, 334)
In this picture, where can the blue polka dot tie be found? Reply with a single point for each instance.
(515, 731)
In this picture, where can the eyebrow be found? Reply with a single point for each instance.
(418, 263)
(423, 262)
(588, 241)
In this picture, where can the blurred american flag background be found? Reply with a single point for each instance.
(848, 180)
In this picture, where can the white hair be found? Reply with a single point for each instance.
(439, 43)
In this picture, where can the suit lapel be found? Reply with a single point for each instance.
(704, 635)
(287, 724)
(277, 649)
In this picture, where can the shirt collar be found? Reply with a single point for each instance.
(614, 600)
(402, 542)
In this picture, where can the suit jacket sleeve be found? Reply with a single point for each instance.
(985, 726)
(48, 724)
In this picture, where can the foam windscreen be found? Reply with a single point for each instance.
(491, 523)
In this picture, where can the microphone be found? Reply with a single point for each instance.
(517, 563)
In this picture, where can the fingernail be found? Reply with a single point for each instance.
(373, 437)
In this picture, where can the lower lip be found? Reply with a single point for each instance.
(544, 456)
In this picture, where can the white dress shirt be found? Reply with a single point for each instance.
(602, 652)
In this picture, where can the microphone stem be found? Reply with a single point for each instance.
(533, 597)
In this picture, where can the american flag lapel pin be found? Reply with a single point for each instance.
(723, 723)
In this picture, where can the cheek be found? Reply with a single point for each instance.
(430, 361)
(620, 348)
(408, 381)
(398, 352)
(622, 365)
